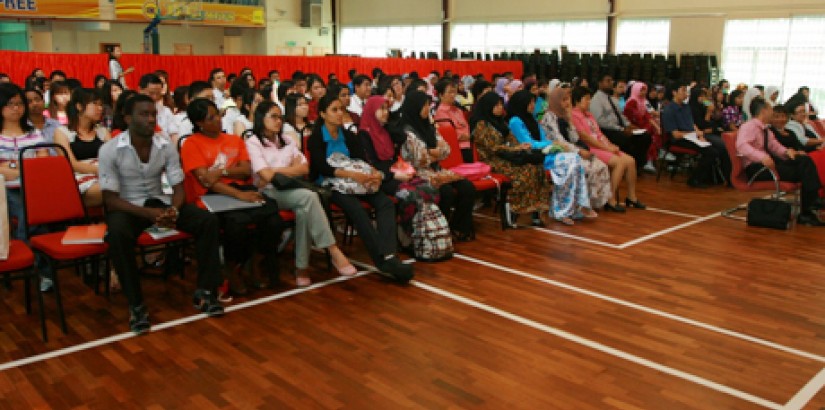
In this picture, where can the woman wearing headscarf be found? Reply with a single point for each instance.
(423, 149)
(501, 87)
(636, 110)
(750, 94)
(772, 95)
(557, 127)
(531, 189)
(382, 148)
(570, 198)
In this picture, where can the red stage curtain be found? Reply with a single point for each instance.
(185, 69)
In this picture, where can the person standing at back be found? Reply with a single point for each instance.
(116, 71)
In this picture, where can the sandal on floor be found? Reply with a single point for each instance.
(302, 279)
(566, 221)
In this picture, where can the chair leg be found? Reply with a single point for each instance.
(107, 277)
(41, 308)
(27, 289)
(660, 166)
(56, 284)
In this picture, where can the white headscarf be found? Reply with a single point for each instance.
(769, 90)
(552, 85)
(752, 93)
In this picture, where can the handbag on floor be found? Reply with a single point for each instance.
(431, 238)
(769, 213)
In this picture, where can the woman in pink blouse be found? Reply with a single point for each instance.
(621, 165)
(271, 154)
(448, 110)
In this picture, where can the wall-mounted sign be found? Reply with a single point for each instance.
(197, 12)
(76, 9)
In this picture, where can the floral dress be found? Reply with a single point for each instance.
(596, 171)
(531, 188)
(414, 151)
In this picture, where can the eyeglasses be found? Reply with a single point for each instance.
(275, 116)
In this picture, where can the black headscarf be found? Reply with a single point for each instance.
(484, 112)
(411, 115)
(517, 107)
(696, 108)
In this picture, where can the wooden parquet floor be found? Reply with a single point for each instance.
(667, 309)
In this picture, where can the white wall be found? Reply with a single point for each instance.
(68, 38)
(283, 25)
(389, 12)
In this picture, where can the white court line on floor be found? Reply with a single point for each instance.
(669, 212)
(642, 308)
(695, 220)
(601, 347)
(167, 325)
(807, 392)
(562, 234)
(668, 230)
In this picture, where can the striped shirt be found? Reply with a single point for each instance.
(10, 146)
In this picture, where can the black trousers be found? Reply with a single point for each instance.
(708, 157)
(457, 201)
(239, 242)
(380, 241)
(718, 144)
(801, 169)
(124, 228)
(634, 145)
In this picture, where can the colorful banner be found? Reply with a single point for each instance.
(194, 12)
(76, 9)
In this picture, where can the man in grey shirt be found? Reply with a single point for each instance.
(615, 126)
(130, 167)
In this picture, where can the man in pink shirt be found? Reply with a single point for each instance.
(448, 110)
(760, 149)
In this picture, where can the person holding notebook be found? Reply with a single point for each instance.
(130, 168)
(218, 163)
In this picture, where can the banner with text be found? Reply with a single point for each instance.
(193, 12)
(75, 9)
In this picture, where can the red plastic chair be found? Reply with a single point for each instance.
(819, 127)
(682, 155)
(20, 266)
(740, 181)
(50, 195)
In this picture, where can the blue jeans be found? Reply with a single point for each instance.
(17, 210)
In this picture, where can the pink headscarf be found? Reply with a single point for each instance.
(381, 140)
(637, 94)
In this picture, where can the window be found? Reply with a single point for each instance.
(585, 36)
(787, 53)
(643, 36)
(378, 41)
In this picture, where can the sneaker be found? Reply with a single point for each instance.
(649, 168)
(46, 284)
(139, 320)
(207, 302)
(670, 157)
